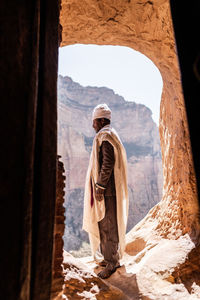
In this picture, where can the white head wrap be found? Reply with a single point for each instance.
(101, 111)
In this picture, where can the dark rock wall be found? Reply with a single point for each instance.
(189, 60)
(28, 116)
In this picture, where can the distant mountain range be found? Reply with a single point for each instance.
(139, 134)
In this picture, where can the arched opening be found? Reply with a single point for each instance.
(130, 84)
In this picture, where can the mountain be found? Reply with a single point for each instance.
(139, 134)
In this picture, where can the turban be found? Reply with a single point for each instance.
(101, 111)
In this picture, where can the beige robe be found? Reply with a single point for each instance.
(95, 213)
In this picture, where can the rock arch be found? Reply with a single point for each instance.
(146, 26)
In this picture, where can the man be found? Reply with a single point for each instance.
(106, 193)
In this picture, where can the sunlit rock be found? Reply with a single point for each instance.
(146, 26)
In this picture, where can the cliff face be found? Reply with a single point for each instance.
(139, 135)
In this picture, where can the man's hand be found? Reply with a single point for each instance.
(99, 194)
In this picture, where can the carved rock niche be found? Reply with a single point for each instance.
(163, 247)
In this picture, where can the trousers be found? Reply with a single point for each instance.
(109, 239)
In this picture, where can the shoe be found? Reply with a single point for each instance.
(107, 272)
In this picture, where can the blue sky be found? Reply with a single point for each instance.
(129, 73)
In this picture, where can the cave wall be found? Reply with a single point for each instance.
(28, 51)
(28, 117)
(166, 241)
(146, 26)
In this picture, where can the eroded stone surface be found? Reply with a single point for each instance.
(150, 276)
(82, 283)
(146, 26)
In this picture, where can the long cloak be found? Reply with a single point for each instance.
(94, 211)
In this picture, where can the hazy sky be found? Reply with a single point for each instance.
(129, 73)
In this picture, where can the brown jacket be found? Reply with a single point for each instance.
(106, 163)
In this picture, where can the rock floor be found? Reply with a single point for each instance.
(122, 279)
(167, 271)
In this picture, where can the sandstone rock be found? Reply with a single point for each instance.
(148, 275)
(155, 265)
(82, 283)
(146, 26)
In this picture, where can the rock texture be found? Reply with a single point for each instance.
(57, 270)
(82, 283)
(131, 281)
(139, 135)
(28, 146)
(146, 26)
